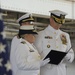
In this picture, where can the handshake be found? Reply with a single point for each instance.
(44, 62)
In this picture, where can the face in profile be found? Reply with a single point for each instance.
(30, 38)
(54, 24)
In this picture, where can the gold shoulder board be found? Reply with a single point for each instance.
(23, 42)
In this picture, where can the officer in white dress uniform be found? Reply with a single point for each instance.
(25, 59)
(53, 38)
(26, 19)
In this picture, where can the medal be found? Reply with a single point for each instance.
(48, 46)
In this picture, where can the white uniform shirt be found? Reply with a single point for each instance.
(51, 39)
(25, 59)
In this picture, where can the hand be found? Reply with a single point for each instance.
(44, 62)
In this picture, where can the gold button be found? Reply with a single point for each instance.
(54, 32)
(48, 46)
(56, 46)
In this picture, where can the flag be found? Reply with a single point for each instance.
(5, 67)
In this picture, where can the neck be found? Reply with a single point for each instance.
(55, 27)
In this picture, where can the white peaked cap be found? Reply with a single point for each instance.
(27, 27)
(58, 12)
(25, 17)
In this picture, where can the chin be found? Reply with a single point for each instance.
(31, 42)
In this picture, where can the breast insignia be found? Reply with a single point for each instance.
(63, 39)
(23, 42)
(48, 37)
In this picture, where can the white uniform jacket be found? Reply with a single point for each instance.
(58, 40)
(25, 59)
(15, 42)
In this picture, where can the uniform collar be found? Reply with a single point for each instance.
(29, 44)
(50, 28)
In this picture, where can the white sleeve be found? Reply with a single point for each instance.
(14, 43)
(21, 55)
(70, 55)
(38, 42)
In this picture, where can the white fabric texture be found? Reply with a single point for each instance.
(25, 59)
